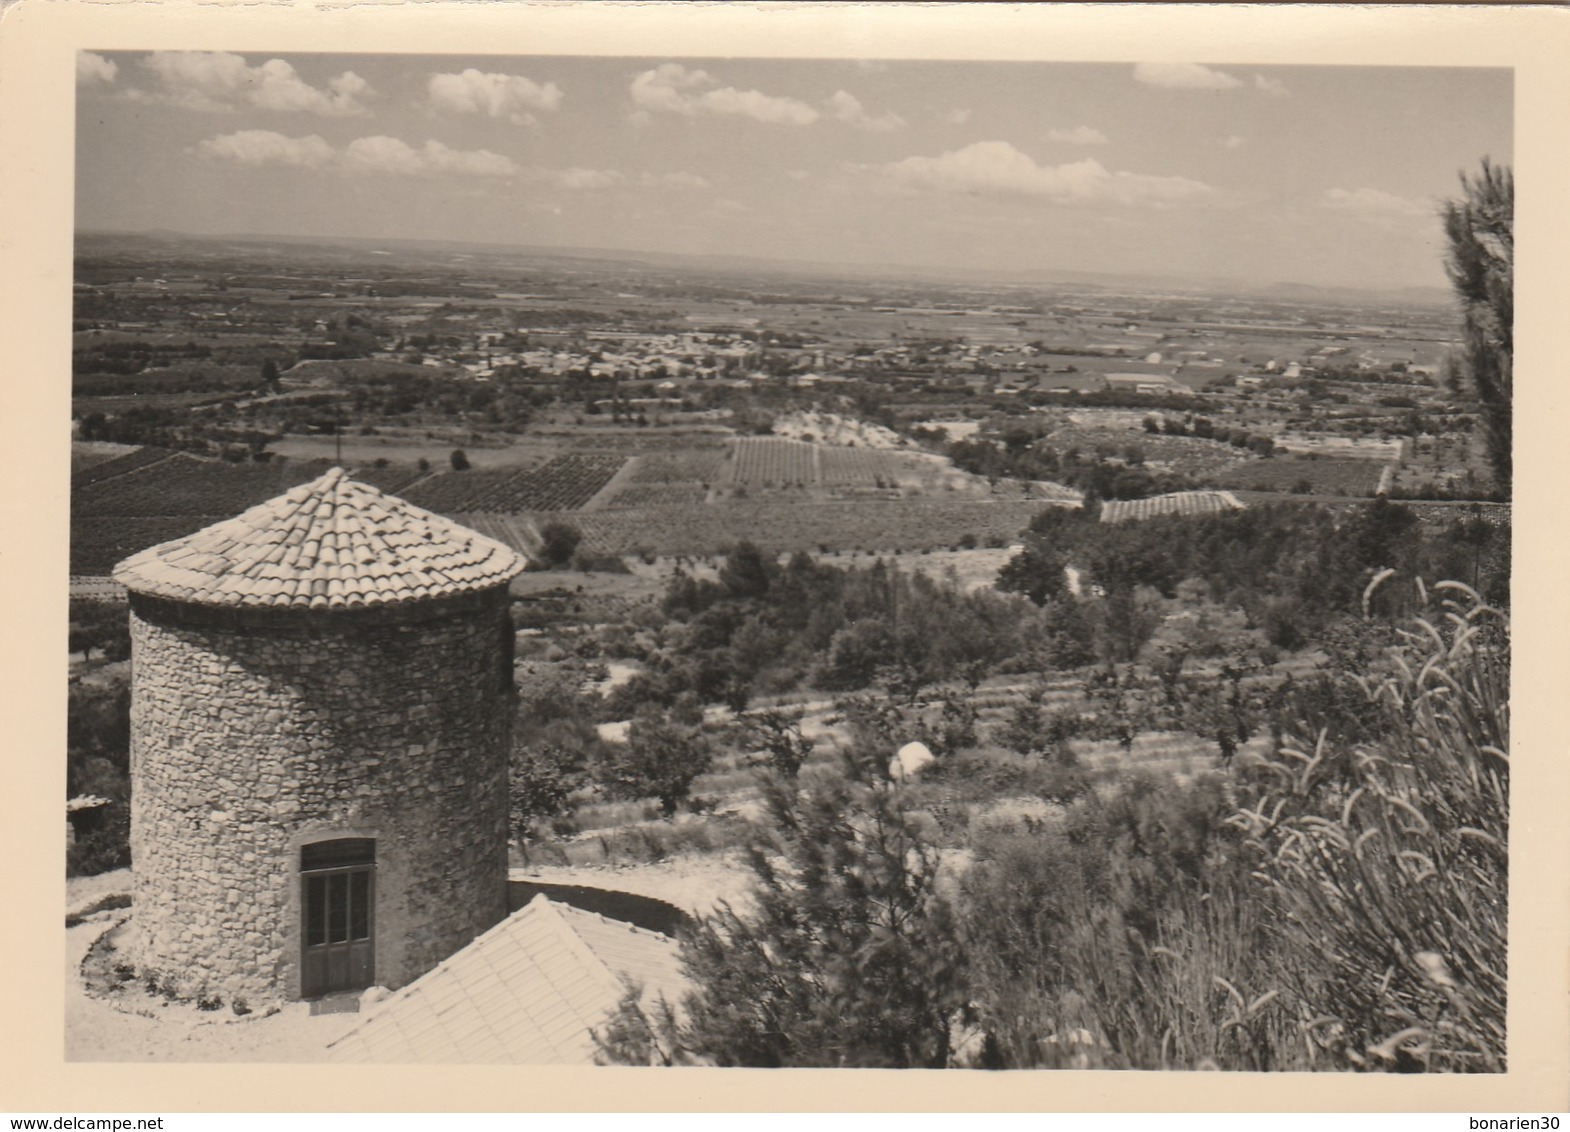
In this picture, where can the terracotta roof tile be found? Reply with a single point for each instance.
(332, 543)
(529, 991)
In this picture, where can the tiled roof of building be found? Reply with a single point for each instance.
(1173, 503)
(331, 544)
(527, 992)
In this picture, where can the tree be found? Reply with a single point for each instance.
(460, 460)
(662, 759)
(558, 543)
(778, 734)
(746, 573)
(847, 956)
(270, 376)
(541, 782)
(1480, 228)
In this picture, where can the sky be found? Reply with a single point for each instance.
(1311, 174)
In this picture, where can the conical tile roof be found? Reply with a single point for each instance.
(329, 544)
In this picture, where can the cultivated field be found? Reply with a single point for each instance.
(1175, 503)
(883, 525)
(1191, 456)
(1304, 476)
(562, 483)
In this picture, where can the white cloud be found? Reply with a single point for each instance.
(1079, 135)
(671, 88)
(578, 178)
(266, 147)
(494, 96)
(957, 116)
(92, 67)
(281, 88)
(679, 180)
(997, 168)
(1184, 76)
(221, 81)
(1270, 86)
(381, 154)
(1232, 141)
(848, 108)
(1374, 202)
(757, 105)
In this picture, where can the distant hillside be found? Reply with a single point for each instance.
(354, 248)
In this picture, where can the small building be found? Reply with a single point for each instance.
(1145, 383)
(321, 707)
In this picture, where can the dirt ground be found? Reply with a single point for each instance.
(144, 1028)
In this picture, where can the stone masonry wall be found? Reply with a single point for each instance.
(250, 740)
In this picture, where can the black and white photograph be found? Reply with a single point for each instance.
(839, 560)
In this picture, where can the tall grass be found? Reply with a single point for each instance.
(1386, 864)
(1126, 936)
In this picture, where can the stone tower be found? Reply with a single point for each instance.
(320, 719)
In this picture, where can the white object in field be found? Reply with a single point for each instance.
(910, 760)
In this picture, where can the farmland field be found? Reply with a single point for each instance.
(395, 479)
(563, 483)
(516, 531)
(1294, 474)
(1185, 455)
(701, 466)
(114, 464)
(191, 485)
(885, 525)
(1176, 503)
(657, 495)
(771, 461)
(97, 545)
(87, 454)
(857, 467)
(409, 449)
